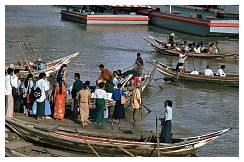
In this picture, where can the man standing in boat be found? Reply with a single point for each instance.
(165, 136)
(138, 63)
(182, 57)
(171, 41)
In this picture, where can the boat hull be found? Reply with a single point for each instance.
(173, 75)
(154, 43)
(135, 145)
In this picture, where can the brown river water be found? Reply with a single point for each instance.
(196, 109)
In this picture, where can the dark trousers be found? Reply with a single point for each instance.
(40, 109)
(165, 136)
(75, 110)
(178, 65)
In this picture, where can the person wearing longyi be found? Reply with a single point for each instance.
(119, 110)
(100, 95)
(165, 136)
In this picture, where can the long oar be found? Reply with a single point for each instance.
(127, 68)
(160, 86)
(34, 54)
(193, 62)
(127, 152)
(146, 108)
(87, 143)
(28, 50)
(157, 136)
(25, 59)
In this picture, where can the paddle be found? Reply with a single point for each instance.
(87, 143)
(160, 86)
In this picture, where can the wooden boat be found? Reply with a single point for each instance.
(171, 74)
(26, 149)
(172, 52)
(108, 144)
(146, 80)
(51, 67)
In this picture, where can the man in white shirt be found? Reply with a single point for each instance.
(165, 136)
(221, 72)
(182, 57)
(9, 107)
(42, 84)
(15, 83)
(208, 71)
(197, 49)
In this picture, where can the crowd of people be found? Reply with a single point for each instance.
(191, 47)
(40, 99)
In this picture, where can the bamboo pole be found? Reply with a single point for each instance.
(25, 59)
(88, 144)
(160, 86)
(157, 136)
(127, 152)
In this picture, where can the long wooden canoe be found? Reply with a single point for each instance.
(104, 144)
(146, 80)
(173, 75)
(50, 67)
(172, 52)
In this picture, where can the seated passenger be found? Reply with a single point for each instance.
(208, 71)
(186, 49)
(221, 72)
(197, 49)
(39, 64)
(177, 47)
(210, 48)
(195, 72)
(215, 50)
(203, 49)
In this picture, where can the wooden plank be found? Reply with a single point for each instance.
(17, 144)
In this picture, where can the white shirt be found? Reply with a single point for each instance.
(220, 72)
(15, 82)
(100, 93)
(168, 113)
(178, 48)
(8, 87)
(25, 89)
(42, 84)
(181, 58)
(48, 84)
(208, 72)
(186, 49)
(197, 50)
